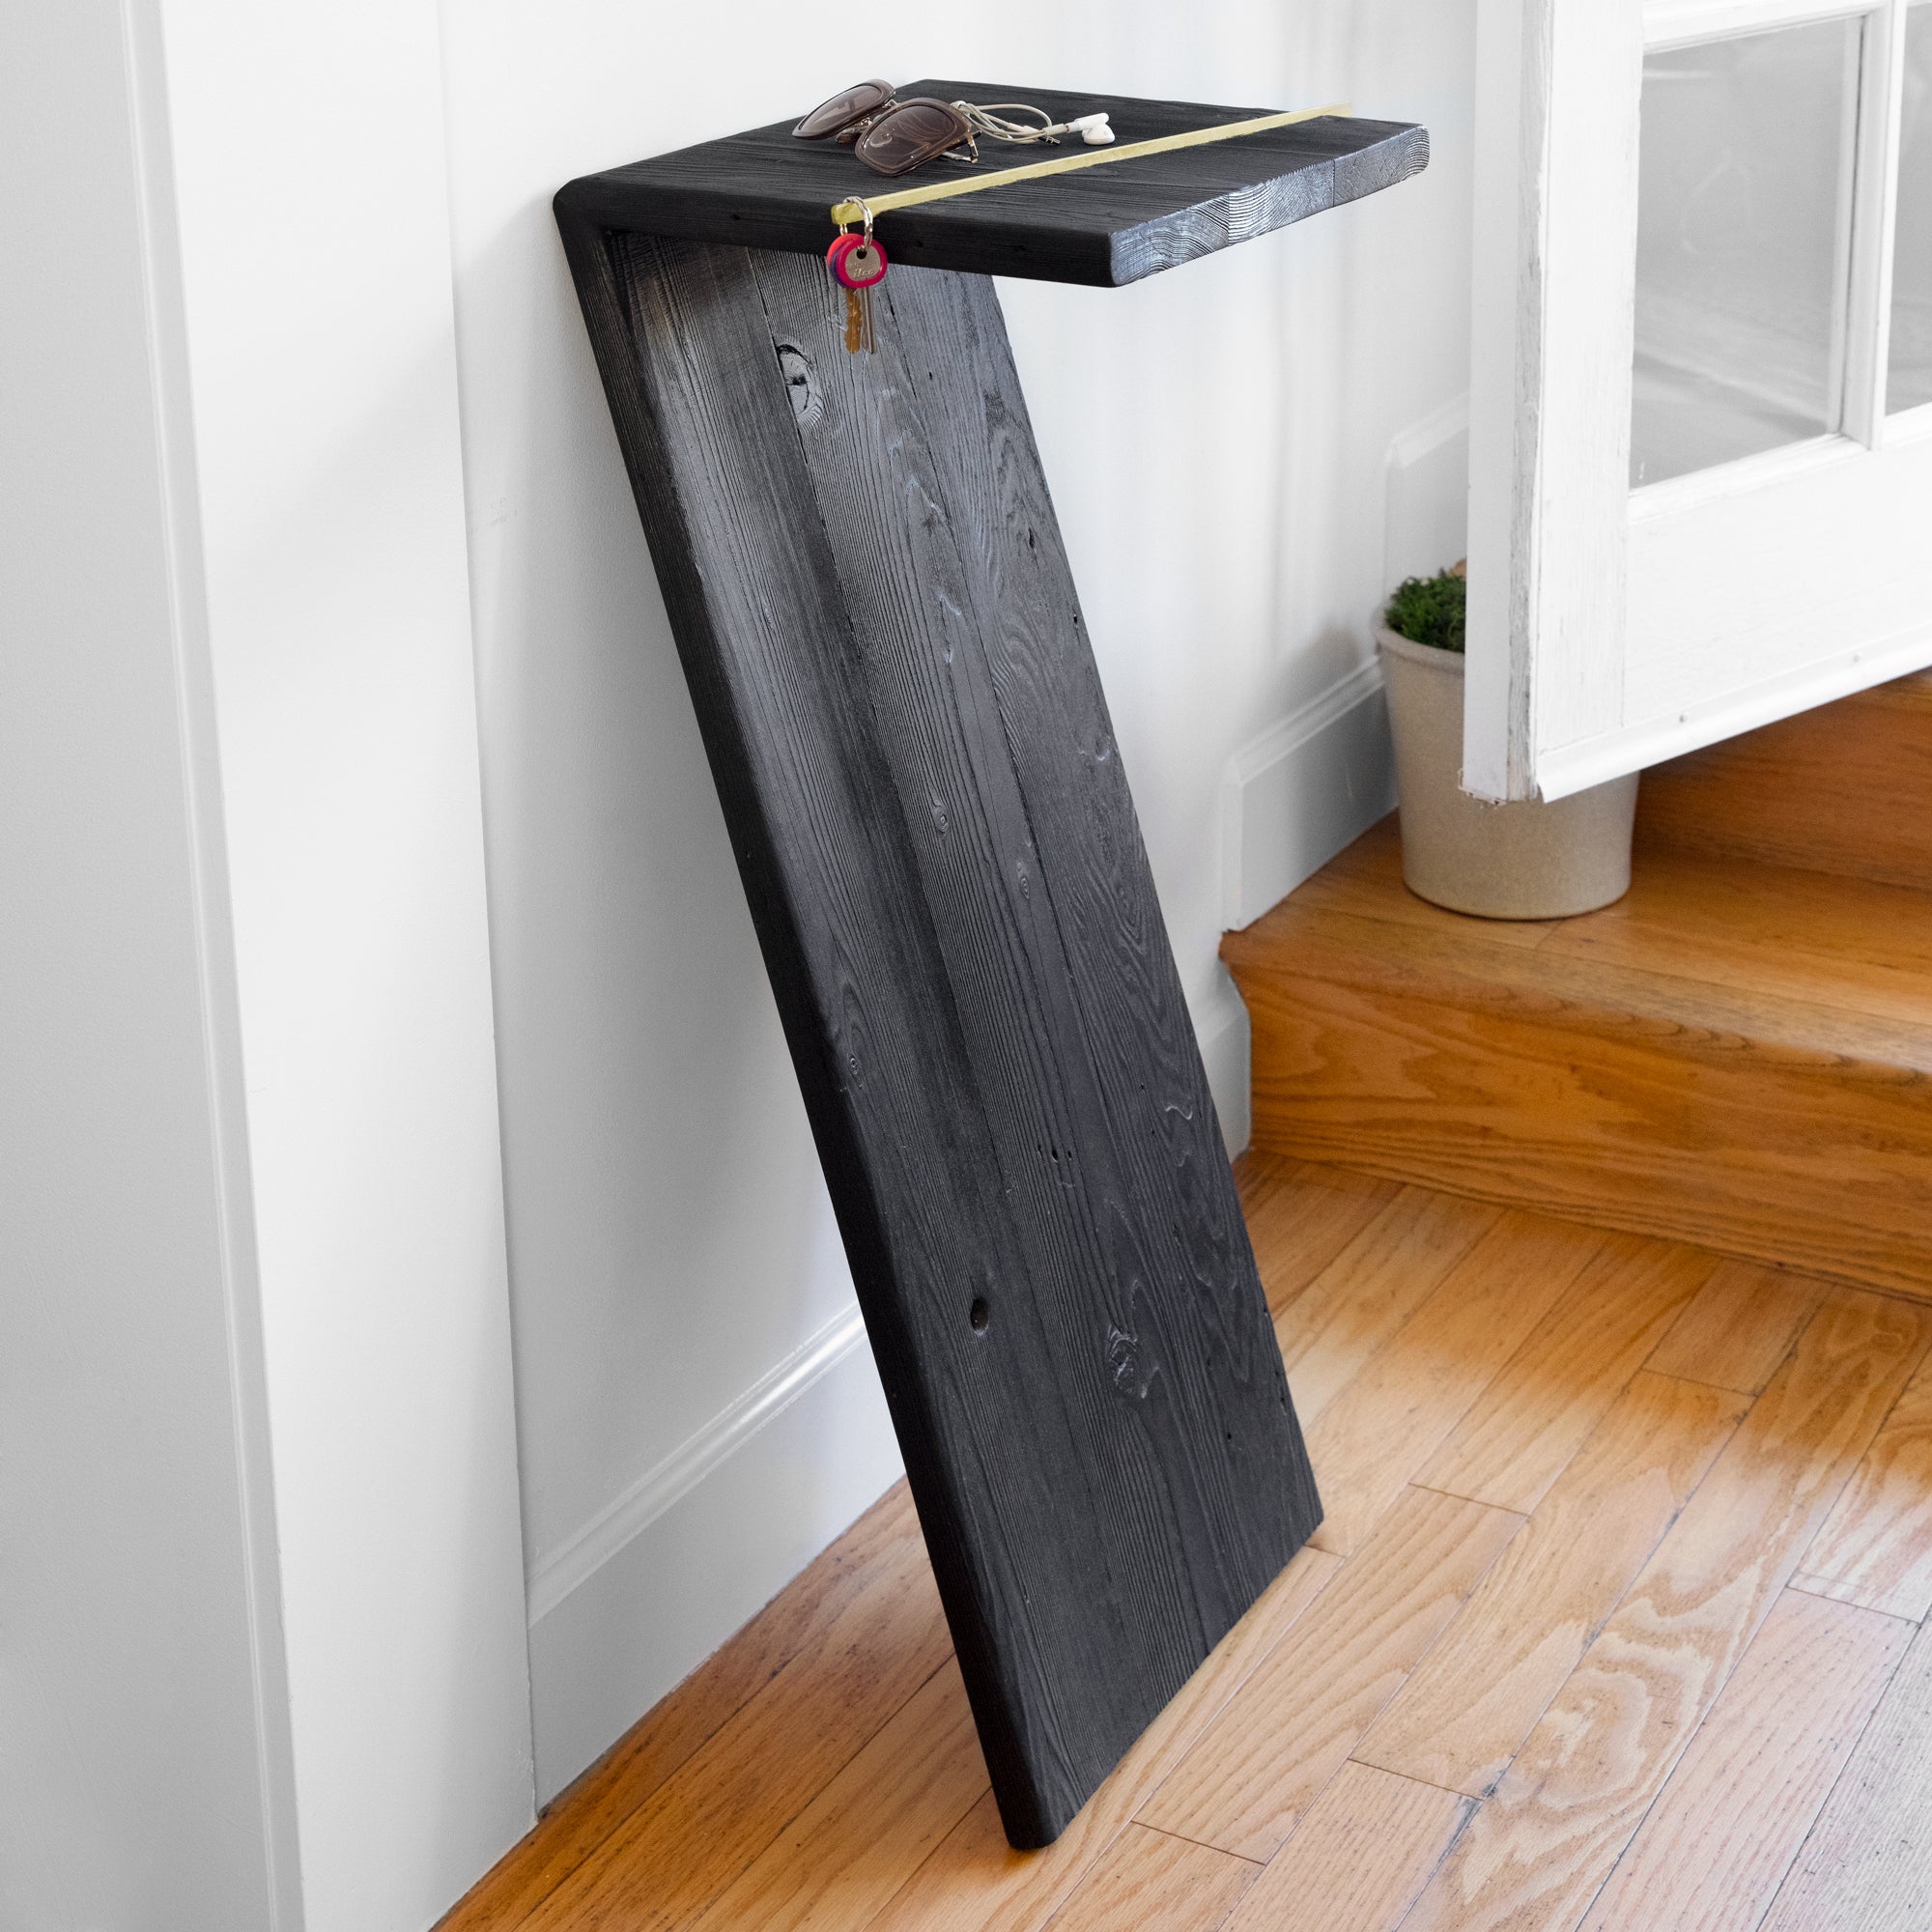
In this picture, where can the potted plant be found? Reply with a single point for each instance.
(1526, 859)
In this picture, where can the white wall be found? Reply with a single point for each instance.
(145, 1772)
(1220, 446)
(262, 1653)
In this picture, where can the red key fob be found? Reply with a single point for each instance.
(856, 262)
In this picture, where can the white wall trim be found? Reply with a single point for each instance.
(1576, 767)
(1427, 434)
(661, 1603)
(343, 676)
(1291, 798)
(1426, 493)
(1220, 1019)
(178, 492)
(628, 1515)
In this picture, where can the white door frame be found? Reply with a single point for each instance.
(1601, 636)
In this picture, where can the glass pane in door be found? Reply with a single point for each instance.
(1909, 381)
(1744, 245)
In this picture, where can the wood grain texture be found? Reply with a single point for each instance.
(1555, 1390)
(1146, 1878)
(1357, 1860)
(868, 589)
(1536, 1851)
(976, 1882)
(868, 1830)
(1364, 880)
(1713, 1850)
(1372, 1288)
(1741, 1324)
(1369, 1441)
(1301, 1216)
(1104, 226)
(811, 1769)
(857, 1631)
(1286, 1732)
(665, 1858)
(1867, 1863)
(1469, 1704)
(1834, 942)
(1840, 788)
(1784, 1130)
(1876, 1545)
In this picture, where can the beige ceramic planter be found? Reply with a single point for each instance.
(1523, 860)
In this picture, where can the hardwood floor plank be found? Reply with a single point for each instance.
(663, 1863)
(1384, 1275)
(1357, 1862)
(1366, 880)
(1148, 1879)
(1536, 1851)
(1371, 1438)
(1802, 935)
(871, 1828)
(1264, 1761)
(1867, 1865)
(1301, 1216)
(1469, 1704)
(1558, 1387)
(976, 1882)
(1740, 1326)
(870, 1593)
(1713, 1850)
(1257, 1175)
(1876, 1545)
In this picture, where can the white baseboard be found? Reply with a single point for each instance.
(1221, 1027)
(1290, 800)
(647, 1592)
(1426, 507)
(575, 1562)
(1296, 795)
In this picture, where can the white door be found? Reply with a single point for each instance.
(1701, 392)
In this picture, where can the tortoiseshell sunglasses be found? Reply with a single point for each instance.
(894, 136)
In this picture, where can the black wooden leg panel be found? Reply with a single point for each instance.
(868, 588)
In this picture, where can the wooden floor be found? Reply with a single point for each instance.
(1616, 1620)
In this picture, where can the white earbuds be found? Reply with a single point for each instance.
(1092, 129)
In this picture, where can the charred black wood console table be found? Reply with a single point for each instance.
(903, 719)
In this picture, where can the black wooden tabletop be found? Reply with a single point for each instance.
(1103, 226)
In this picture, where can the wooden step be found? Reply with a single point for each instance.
(1846, 789)
(1737, 1055)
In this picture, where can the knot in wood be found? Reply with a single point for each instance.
(802, 384)
(1132, 1377)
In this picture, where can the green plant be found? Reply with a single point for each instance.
(1429, 611)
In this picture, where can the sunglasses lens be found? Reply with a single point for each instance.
(832, 115)
(915, 131)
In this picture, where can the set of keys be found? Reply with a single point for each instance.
(858, 265)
